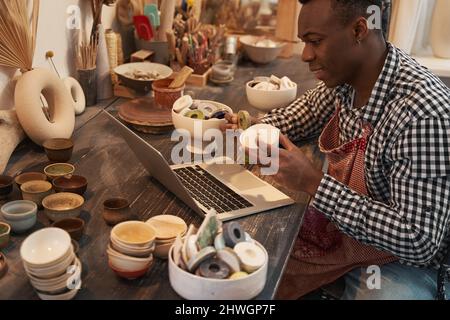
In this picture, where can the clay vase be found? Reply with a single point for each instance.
(440, 29)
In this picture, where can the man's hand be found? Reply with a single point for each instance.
(233, 122)
(296, 172)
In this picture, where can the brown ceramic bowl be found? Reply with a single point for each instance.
(59, 149)
(74, 226)
(116, 210)
(75, 184)
(62, 205)
(20, 179)
(56, 170)
(6, 186)
(5, 230)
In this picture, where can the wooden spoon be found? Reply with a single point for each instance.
(181, 77)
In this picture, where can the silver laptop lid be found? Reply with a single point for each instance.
(155, 163)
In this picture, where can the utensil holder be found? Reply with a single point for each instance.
(88, 82)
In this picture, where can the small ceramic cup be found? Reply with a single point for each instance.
(75, 184)
(36, 190)
(21, 178)
(59, 149)
(222, 71)
(56, 170)
(21, 215)
(5, 230)
(74, 226)
(116, 210)
(6, 186)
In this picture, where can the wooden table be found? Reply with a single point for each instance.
(112, 170)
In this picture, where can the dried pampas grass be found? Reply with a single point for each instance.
(17, 34)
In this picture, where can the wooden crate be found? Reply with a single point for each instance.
(197, 80)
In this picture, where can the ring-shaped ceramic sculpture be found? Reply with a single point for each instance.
(79, 100)
(27, 94)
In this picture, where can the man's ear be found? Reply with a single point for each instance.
(360, 29)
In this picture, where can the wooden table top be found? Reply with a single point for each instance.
(104, 158)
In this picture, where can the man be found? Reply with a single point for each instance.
(394, 115)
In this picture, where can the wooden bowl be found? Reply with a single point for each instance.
(75, 184)
(74, 226)
(59, 149)
(6, 186)
(63, 205)
(20, 179)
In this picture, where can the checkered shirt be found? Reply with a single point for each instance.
(407, 161)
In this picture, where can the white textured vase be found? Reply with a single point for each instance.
(440, 29)
(104, 83)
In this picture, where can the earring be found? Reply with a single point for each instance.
(358, 41)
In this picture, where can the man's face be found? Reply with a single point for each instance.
(329, 45)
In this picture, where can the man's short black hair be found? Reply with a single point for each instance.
(347, 10)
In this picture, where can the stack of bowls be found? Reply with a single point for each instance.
(51, 264)
(167, 228)
(130, 251)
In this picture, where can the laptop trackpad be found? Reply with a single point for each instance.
(236, 176)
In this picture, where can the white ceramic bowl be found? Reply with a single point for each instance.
(259, 54)
(193, 287)
(182, 122)
(137, 234)
(266, 100)
(53, 271)
(127, 263)
(139, 84)
(43, 247)
(130, 251)
(58, 279)
(64, 296)
(20, 215)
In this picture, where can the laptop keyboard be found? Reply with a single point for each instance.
(209, 191)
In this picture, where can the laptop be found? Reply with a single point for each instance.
(230, 189)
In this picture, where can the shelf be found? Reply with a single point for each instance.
(440, 67)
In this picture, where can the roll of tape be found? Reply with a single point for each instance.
(202, 255)
(244, 120)
(214, 268)
(195, 114)
(182, 103)
(233, 234)
(230, 257)
(251, 256)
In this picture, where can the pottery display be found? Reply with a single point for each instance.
(75, 184)
(36, 191)
(145, 116)
(28, 104)
(29, 176)
(73, 226)
(116, 210)
(21, 215)
(58, 149)
(57, 170)
(260, 52)
(5, 230)
(6, 186)
(59, 206)
(77, 93)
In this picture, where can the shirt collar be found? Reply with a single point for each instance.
(380, 93)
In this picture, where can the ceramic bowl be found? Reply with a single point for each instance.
(20, 214)
(6, 186)
(56, 281)
(134, 233)
(266, 100)
(74, 226)
(58, 149)
(36, 190)
(124, 70)
(167, 226)
(132, 251)
(75, 184)
(62, 205)
(5, 230)
(45, 247)
(63, 296)
(56, 170)
(29, 176)
(182, 122)
(54, 270)
(257, 54)
(193, 287)
(127, 263)
(130, 275)
(162, 250)
(116, 210)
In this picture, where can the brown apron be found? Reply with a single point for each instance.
(322, 253)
